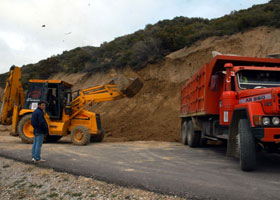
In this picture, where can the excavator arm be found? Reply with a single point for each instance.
(103, 93)
(94, 95)
(12, 100)
(13, 96)
(97, 94)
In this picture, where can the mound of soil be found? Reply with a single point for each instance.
(153, 114)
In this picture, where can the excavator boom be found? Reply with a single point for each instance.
(122, 88)
(117, 90)
(97, 94)
(13, 97)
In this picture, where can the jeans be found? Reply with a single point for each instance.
(36, 147)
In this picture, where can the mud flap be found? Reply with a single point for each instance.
(231, 145)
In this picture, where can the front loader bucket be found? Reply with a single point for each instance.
(133, 88)
(128, 86)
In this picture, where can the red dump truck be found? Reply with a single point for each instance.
(235, 99)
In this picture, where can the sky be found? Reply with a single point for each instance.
(32, 30)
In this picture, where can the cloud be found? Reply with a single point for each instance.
(14, 41)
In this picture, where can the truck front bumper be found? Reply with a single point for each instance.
(267, 134)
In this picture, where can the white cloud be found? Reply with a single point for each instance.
(14, 41)
(32, 30)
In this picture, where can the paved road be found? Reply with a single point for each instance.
(159, 166)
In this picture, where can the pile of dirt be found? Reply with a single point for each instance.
(153, 114)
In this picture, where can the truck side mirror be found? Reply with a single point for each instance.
(214, 82)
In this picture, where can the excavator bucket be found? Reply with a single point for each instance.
(133, 88)
(128, 86)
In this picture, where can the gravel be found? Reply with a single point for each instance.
(26, 181)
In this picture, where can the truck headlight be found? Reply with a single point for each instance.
(266, 121)
(275, 121)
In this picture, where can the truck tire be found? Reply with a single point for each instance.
(247, 146)
(184, 132)
(97, 137)
(25, 129)
(193, 136)
(80, 135)
(52, 138)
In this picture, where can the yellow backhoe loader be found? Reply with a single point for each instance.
(67, 111)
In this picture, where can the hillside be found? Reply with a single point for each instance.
(153, 113)
(152, 44)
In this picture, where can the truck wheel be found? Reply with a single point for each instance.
(80, 135)
(25, 129)
(184, 132)
(97, 137)
(193, 136)
(52, 138)
(247, 146)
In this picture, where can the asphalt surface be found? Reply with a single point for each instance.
(170, 168)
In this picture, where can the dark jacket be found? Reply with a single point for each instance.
(38, 122)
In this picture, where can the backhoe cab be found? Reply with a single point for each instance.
(52, 91)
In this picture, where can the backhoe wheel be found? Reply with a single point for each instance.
(193, 136)
(25, 129)
(80, 135)
(247, 145)
(184, 132)
(97, 137)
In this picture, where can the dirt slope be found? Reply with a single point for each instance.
(153, 114)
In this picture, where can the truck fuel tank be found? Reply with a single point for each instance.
(227, 102)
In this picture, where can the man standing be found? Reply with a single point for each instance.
(40, 129)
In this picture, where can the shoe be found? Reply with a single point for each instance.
(38, 161)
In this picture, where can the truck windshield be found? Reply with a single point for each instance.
(250, 79)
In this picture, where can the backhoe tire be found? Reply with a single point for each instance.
(25, 129)
(193, 136)
(184, 132)
(97, 137)
(80, 135)
(247, 145)
(52, 138)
